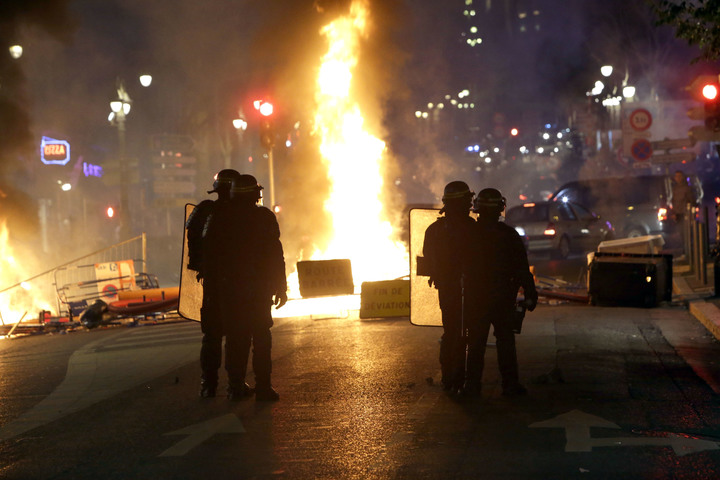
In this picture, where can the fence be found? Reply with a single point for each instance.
(55, 288)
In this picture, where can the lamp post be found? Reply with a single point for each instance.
(240, 125)
(120, 109)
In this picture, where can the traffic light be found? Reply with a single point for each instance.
(712, 106)
(267, 130)
(706, 89)
(110, 211)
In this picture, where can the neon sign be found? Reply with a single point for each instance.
(54, 152)
(91, 170)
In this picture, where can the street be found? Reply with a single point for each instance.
(613, 393)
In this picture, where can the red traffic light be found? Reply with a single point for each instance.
(264, 107)
(514, 132)
(709, 91)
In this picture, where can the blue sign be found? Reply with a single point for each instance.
(54, 152)
(641, 150)
(91, 170)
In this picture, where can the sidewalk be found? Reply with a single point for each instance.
(697, 295)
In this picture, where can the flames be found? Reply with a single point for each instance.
(354, 157)
(21, 301)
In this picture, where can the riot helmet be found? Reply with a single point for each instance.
(224, 181)
(246, 187)
(457, 196)
(489, 202)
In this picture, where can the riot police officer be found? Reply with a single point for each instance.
(500, 269)
(244, 276)
(445, 249)
(210, 321)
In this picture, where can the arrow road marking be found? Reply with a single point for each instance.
(198, 433)
(577, 435)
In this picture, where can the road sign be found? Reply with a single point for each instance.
(674, 157)
(387, 298)
(670, 144)
(640, 119)
(641, 149)
(325, 277)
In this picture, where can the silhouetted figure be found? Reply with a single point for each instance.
(210, 320)
(500, 269)
(682, 196)
(447, 251)
(243, 276)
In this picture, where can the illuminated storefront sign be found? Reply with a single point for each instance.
(54, 152)
(91, 170)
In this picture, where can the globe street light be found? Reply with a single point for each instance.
(120, 109)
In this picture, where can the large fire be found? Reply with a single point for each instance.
(354, 158)
(20, 301)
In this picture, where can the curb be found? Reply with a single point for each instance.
(706, 313)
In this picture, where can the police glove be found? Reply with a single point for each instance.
(531, 302)
(280, 299)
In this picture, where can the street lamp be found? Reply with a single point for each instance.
(120, 107)
(240, 125)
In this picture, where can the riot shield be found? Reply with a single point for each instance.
(191, 291)
(424, 306)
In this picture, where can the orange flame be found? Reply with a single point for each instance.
(354, 157)
(19, 301)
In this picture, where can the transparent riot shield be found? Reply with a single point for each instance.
(424, 306)
(191, 292)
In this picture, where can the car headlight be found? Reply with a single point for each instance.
(520, 231)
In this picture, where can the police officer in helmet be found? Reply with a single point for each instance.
(500, 269)
(259, 263)
(445, 250)
(245, 277)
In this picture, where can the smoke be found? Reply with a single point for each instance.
(16, 17)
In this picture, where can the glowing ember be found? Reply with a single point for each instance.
(354, 158)
(20, 300)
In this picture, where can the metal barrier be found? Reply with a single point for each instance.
(45, 289)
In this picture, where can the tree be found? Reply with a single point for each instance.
(697, 22)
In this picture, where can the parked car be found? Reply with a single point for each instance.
(559, 227)
(635, 206)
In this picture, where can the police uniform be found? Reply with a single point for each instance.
(500, 268)
(244, 268)
(445, 249)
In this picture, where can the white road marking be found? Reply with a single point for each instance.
(198, 433)
(577, 434)
(94, 374)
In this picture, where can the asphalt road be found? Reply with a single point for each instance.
(613, 393)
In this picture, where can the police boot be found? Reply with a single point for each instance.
(471, 389)
(266, 394)
(208, 387)
(239, 391)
